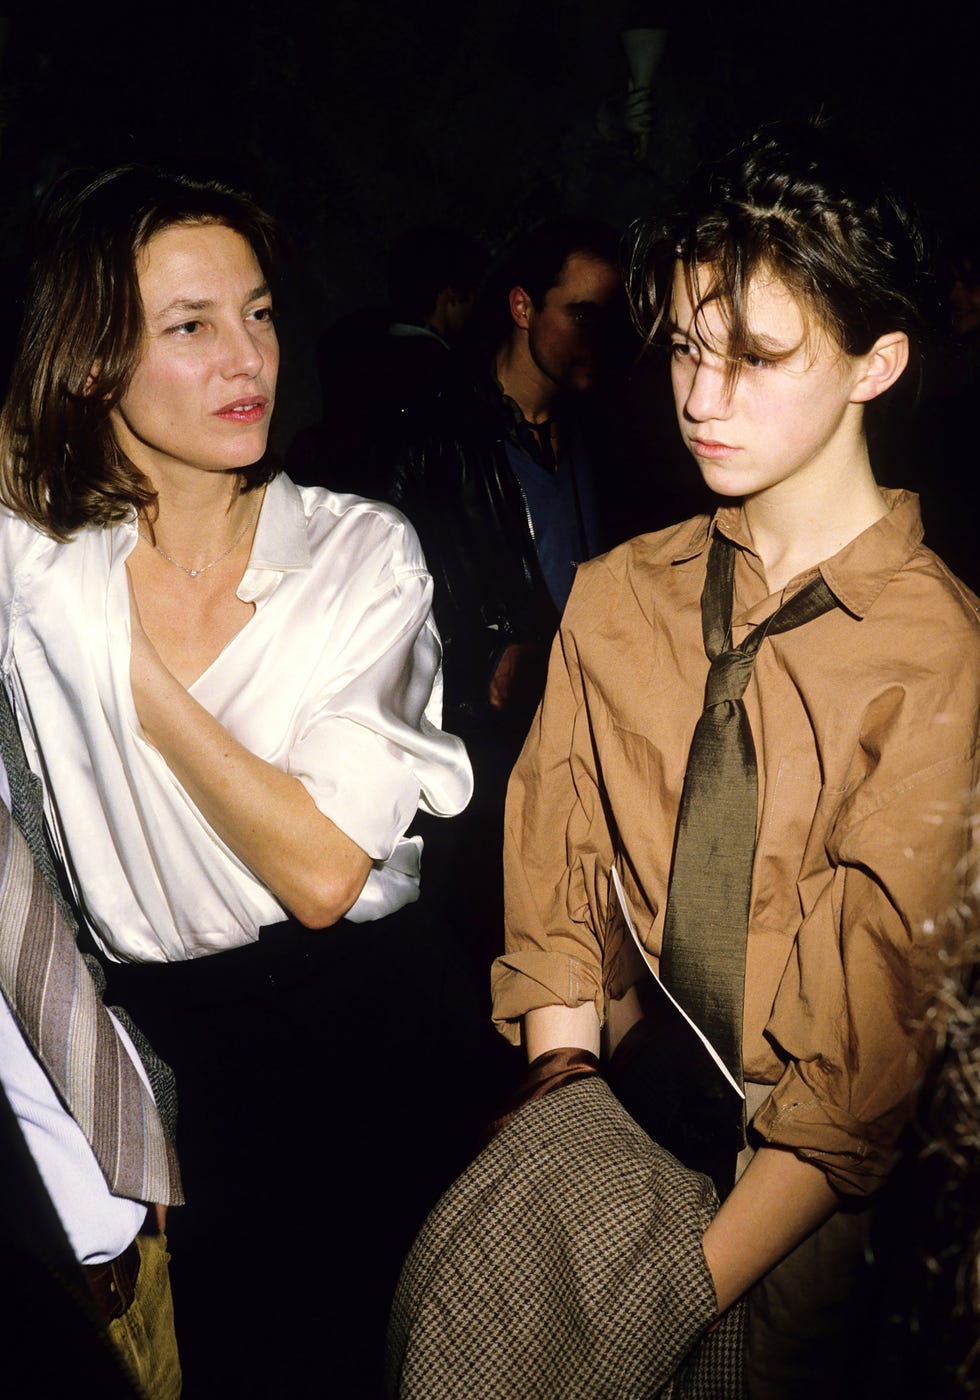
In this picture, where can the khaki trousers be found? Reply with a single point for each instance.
(809, 1319)
(144, 1335)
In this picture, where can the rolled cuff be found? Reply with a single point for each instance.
(856, 1156)
(390, 885)
(370, 783)
(371, 791)
(526, 981)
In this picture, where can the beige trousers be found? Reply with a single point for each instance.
(144, 1335)
(809, 1318)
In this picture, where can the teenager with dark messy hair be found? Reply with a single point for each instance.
(761, 726)
(231, 689)
(848, 251)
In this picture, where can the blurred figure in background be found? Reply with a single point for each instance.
(499, 478)
(501, 485)
(927, 1237)
(378, 364)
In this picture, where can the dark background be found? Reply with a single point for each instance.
(353, 121)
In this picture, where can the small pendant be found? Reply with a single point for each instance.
(193, 572)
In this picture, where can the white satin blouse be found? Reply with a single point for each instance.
(335, 679)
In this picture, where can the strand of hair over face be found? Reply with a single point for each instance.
(788, 203)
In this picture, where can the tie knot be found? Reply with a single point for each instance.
(728, 677)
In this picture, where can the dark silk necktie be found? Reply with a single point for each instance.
(707, 915)
(50, 991)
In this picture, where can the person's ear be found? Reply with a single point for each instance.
(93, 378)
(881, 366)
(521, 307)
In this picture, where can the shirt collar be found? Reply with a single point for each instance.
(855, 575)
(693, 537)
(517, 428)
(860, 571)
(281, 544)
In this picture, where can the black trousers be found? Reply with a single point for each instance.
(330, 1085)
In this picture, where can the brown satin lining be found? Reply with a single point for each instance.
(552, 1070)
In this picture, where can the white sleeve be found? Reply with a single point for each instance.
(370, 749)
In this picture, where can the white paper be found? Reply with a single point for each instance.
(621, 896)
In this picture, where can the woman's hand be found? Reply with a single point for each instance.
(266, 817)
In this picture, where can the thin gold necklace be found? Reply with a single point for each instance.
(196, 573)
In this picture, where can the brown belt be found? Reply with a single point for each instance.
(113, 1284)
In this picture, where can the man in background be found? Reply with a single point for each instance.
(499, 481)
(499, 478)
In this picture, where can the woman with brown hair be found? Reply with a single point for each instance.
(230, 687)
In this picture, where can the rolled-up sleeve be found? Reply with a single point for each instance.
(851, 1010)
(557, 856)
(370, 749)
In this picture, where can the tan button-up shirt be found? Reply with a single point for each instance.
(865, 726)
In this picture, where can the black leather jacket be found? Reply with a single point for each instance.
(450, 476)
